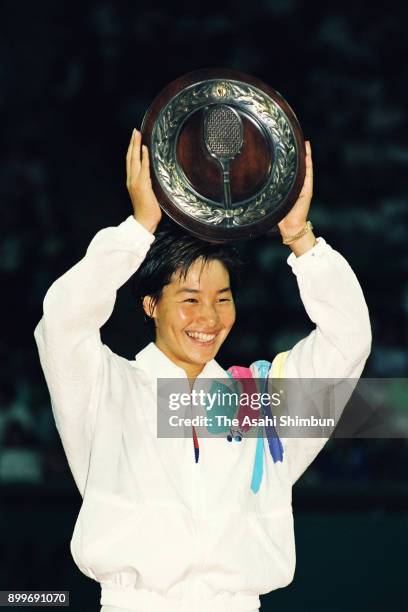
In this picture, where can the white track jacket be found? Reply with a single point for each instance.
(158, 531)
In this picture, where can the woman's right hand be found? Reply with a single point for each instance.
(146, 209)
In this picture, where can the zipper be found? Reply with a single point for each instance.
(196, 497)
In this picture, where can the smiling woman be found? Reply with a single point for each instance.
(175, 523)
(186, 287)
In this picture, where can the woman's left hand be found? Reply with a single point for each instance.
(296, 219)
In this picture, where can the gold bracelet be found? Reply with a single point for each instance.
(290, 239)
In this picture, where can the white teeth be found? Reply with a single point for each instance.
(201, 336)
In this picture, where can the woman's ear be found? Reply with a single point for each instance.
(149, 307)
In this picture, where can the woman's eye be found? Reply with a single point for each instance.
(195, 301)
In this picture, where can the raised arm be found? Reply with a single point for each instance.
(340, 344)
(332, 297)
(78, 304)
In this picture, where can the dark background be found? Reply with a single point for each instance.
(74, 80)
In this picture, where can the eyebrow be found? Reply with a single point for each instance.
(191, 290)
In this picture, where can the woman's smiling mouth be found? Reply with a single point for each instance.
(201, 337)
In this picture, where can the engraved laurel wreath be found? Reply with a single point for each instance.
(276, 127)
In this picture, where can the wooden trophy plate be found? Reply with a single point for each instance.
(227, 154)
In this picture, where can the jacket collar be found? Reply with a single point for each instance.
(157, 365)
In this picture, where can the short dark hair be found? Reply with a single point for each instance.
(174, 251)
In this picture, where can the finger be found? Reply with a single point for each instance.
(135, 155)
(307, 187)
(309, 163)
(145, 170)
(128, 155)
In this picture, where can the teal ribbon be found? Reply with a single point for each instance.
(230, 410)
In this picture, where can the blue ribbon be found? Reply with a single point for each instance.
(275, 446)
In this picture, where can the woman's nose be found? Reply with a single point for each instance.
(208, 315)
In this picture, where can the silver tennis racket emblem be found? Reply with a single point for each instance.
(223, 137)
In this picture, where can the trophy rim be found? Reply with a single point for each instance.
(200, 229)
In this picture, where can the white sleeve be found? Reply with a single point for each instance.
(339, 345)
(68, 338)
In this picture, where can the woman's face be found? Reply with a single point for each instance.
(194, 315)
